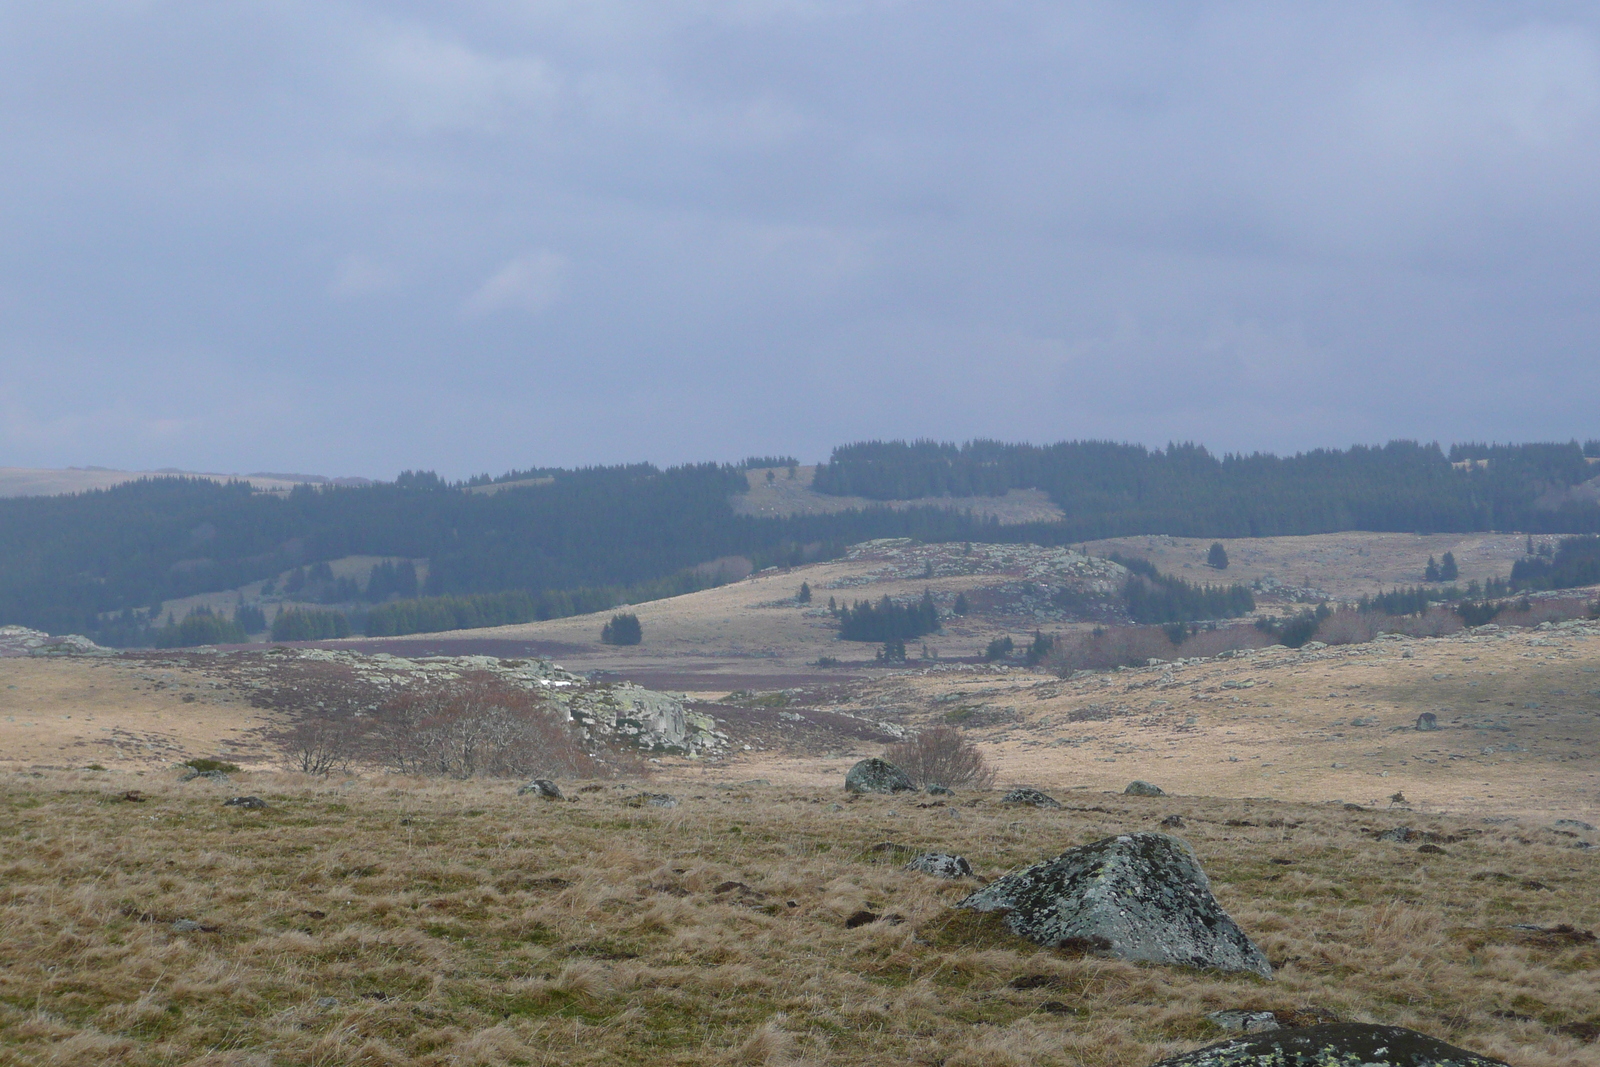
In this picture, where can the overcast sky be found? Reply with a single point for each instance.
(349, 237)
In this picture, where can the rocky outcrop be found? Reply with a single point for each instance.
(1135, 896)
(21, 641)
(1027, 795)
(941, 865)
(877, 776)
(1143, 789)
(1333, 1045)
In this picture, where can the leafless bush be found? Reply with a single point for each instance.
(323, 741)
(1134, 646)
(1537, 611)
(480, 725)
(940, 755)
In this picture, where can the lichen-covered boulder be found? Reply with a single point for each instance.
(877, 776)
(252, 803)
(1333, 1045)
(541, 787)
(652, 800)
(1143, 789)
(1136, 897)
(941, 865)
(1031, 797)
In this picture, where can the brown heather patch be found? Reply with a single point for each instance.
(454, 923)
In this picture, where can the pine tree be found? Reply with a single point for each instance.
(622, 630)
(962, 607)
(1217, 557)
(1448, 571)
(804, 596)
(1431, 572)
(833, 607)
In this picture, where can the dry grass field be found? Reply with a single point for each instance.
(397, 921)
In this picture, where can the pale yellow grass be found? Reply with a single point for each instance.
(455, 923)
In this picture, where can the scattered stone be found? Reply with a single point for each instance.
(652, 800)
(1139, 896)
(210, 776)
(1174, 821)
(541, 787)
(1333, 1045)
(877, 776)
(1399, 833)
(1427, 721)
(252, 803)
(1245, 1022)
(1033, 797)
(941, 865)
(1143, 789)
(941, 791)
(1573, 824)
(189, 926)
(327, 1002)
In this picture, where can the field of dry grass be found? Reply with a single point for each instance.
(395, 921)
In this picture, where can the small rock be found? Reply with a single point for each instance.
(877, 776)
(1174, 821)
(1573, 824)
(941, 865)
(327, 1002)
(1143, 789)
(541, 787)
(253, 803)
(1030, 796)
(210, 776)
(652, 800)
(941, 791)
(1427, 721)
(1246, 1022)
(1330, 1045)
(1399, 833)
(189, 926)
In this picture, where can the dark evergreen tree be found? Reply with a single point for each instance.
(804, 596)
(623, 629)
(1217, 557)
(304, 624)
(961, 605)
(1448, 571)
(250, 618)
(1430, 573)
(999, 648)
(893, 651)
(1038, 648)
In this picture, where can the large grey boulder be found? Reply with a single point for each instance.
(1333, 1045)
(541, 787)
(1143, 789)
(877, 776)
(1136, 896)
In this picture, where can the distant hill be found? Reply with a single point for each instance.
(544, 542)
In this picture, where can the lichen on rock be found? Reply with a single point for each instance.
(1140, 896)
(1333, 1045)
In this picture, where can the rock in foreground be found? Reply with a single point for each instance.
(941, 865)
(1333, 1045)
(1139, 897)
(1143, 789)
(877, 776)
(541, 787)
(1026, 794)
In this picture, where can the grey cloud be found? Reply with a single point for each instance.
(361, 236)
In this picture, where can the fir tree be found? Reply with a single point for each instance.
(623, 629)
(804, 596)
(1217, 557)
(1431, 572)
(961, 606)
(1448, 571)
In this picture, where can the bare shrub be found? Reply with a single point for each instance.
(1533, 612)
(1134, 646)
(1348, 626)
(480, 725)
(323, 741)
(1435, 622)
(940, 755)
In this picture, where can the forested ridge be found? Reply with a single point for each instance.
(1107, 489)
(584, 540)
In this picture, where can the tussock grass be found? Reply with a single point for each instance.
(392, 921)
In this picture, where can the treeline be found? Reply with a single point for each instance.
(1107, 489)
(1575, 562)
(1154, 598)
(887, 621)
